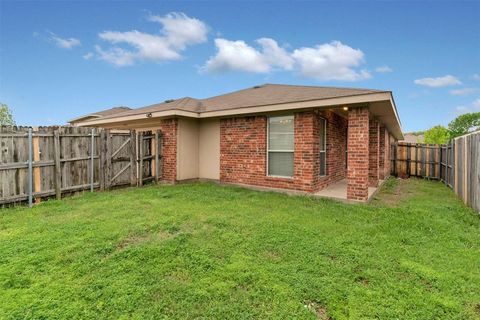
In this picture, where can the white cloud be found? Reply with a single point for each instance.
(463, 92)
(116, 56)
(64, 43)
(239, 56)
(461, 110)
(438, 82)
(88, 56)
(473, 107)
(178, 32)
(275, 55)
(383, 69)
(476, 104)
(476, 76)
(330, 61)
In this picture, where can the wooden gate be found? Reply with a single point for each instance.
(131, 158)
(149, 156)
(46, 162)
(118, 163)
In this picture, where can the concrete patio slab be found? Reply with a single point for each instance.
(338, 191)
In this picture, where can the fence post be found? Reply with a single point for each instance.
(160, 155)
(133, 159)
(140, 159)
(37, 178)
(108, 159)
(92, 164)
(101, 170)
(56, 160)
(156, 156)
(30, 169)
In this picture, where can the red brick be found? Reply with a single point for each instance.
(358, 154)
(243, 151)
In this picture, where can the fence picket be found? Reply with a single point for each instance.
(456, 164)
(52, 161)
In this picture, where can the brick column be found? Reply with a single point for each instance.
(374, 153)
(358, 151)
(382, 154)
(169, 129)
(388, 161)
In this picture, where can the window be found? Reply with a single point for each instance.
(322, 132)
(280, 146)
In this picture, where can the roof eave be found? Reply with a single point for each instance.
(297, 105)
(83, 117)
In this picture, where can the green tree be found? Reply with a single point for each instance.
(437, 135)
(464, 124)
(6, 117)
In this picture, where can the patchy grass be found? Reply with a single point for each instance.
(208, 251)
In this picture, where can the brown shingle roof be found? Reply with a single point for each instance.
(104, 113)
(267, 94)
(186, 104)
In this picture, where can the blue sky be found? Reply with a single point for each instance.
(61, 59)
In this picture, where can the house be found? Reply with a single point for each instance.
(413, 138)
(97, 115)
(320, 140)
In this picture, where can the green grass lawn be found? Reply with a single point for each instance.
(207, 251)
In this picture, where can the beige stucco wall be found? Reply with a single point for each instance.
(187, 148)
(198, 149)
(209, 149)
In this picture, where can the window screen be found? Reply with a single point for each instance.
(323, 146)
(280, 146)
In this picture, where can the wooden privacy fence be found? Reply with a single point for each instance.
(51, 161)
(415, 159)
(464, 151)
(456, 164)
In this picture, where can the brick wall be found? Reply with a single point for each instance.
(390, 140)
(243, 151)
(358, 153)
(336, 149)
(384, 160)
(382, 153)
(374, 153)
(169, 129)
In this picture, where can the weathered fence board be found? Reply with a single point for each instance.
(466, 171)
(71, 159)
(417, 160)
(456, 164)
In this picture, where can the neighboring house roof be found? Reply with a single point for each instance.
(264, 98)
(100, 114)
(412, 138)
(185, 104)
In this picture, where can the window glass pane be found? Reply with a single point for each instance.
(280, 141)
(280, 133)
(323, 164)
(280, 164)
(321, 133)
(281, 124)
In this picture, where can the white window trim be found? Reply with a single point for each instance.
(325, 148)
(286, 151)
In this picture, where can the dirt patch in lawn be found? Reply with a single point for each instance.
(393, 192)
(137, 239)
(318, 310)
